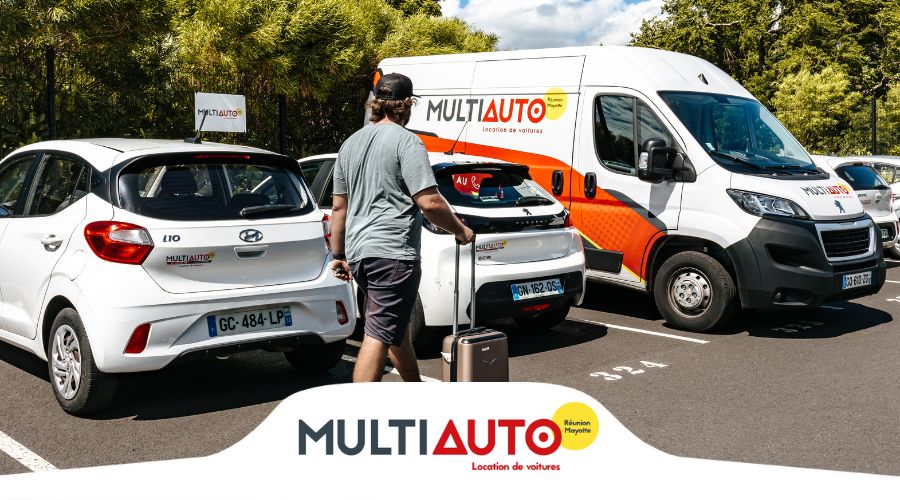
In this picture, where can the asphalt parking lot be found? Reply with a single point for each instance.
(817, 388)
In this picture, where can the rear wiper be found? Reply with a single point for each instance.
(264, 209)
(533, 200)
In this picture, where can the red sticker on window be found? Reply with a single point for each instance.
(468, 183)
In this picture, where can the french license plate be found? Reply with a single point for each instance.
(534, 289)
(857, 280)
(249, 321)
(884, 233)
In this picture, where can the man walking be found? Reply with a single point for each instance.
(383, 183)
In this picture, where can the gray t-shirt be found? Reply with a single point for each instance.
(380, 168)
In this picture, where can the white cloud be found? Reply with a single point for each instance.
(527, 24)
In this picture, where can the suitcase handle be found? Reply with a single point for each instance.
(456, 290)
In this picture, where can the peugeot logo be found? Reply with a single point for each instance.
(251, 235)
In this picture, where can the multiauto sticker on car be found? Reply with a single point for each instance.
(190, 260)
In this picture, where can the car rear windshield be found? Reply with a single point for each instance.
(211, 190)
(861, 177)
(490, 186)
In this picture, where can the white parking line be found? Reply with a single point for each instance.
(638, 330)
(352, 359)
(889, 281)
(23, 455)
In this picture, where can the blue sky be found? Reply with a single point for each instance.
(525, 24)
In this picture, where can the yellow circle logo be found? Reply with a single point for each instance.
(579, 425)
(555, 101)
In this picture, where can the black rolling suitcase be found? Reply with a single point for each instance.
(477, 354)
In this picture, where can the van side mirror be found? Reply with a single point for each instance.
(656, 161)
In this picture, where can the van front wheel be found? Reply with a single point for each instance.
(694, 292)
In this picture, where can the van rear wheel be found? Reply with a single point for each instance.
(694, 292)
(316, 358)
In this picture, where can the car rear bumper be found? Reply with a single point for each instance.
(493, 290)
(178, 322)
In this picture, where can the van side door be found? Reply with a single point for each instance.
(619, 213)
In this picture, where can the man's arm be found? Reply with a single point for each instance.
(339, 265)
(436, 210)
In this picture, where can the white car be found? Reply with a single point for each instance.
(880, 200)
(530, 258)
(125, 255)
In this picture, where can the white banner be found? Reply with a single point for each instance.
(224, 112)
(443, 441)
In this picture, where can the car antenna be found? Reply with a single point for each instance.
(196, 138)
(450, 151)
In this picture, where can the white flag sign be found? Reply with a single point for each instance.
(224, 112)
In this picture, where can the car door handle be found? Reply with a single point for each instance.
(51, 240)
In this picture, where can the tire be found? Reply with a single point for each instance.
(420, 334)
(707, 305)
(893, 252)
(316, 358)
(79, 386)
(543, 320)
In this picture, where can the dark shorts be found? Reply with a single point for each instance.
(389, 287)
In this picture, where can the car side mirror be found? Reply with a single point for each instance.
(657, 160)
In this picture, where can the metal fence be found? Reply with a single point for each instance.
(159, 103)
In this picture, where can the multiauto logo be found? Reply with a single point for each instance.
(228, 114)
(498, 110)
(574, 426)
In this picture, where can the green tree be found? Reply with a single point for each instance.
(775, 46)
(818, 108)
(412, 7)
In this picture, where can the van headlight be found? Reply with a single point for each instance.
(763, 204)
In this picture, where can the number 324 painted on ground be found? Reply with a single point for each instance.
(627, 369)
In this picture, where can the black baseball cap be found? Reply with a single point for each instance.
(394, 86)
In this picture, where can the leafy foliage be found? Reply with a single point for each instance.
(131, 67)
(787, 52)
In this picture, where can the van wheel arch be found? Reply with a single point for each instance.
(671, 245)
(53, 308)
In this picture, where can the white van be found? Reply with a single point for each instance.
(680, 182)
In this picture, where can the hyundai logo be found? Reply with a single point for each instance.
(250, 235)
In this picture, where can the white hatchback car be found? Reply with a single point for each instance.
(530, 258)
(124, 255)
(874, 192)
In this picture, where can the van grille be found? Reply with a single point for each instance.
(846, 242)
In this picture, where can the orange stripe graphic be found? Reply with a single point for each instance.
(604, 219)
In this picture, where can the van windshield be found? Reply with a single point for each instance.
(739, 133)
(490, 186)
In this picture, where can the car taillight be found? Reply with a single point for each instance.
(342, 316)
(326, 228)
(119, 241)
(568, 222)
(535, 308)
(138, 341)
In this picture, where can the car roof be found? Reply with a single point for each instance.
(103, 153)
